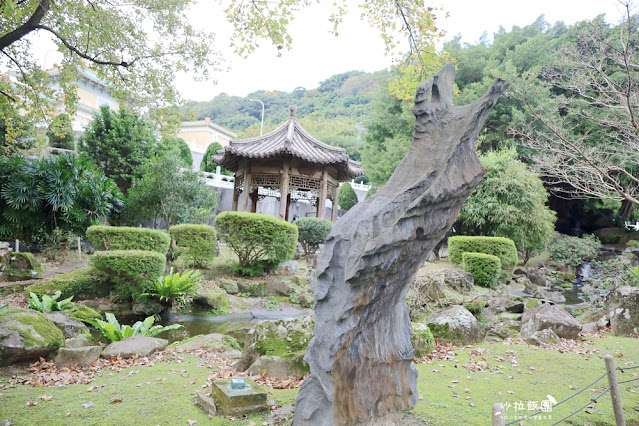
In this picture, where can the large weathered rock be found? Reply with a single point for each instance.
(549, 317)
(622, 306)
(82, 356)
(278, 367)
(226, 346)
(455, 324)
(26, 335)
(134, 346)
(69, 326)
(361, 355)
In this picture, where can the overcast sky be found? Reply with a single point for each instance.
(317, 55)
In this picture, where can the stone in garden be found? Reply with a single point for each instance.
(146, 308)
(206, 403)
(134, 346)
(278, 367)
(78, 341)
(249, 356)
(542, 337)
(21, 266)
(501, 330)
(229, 286)
(542, 293)
(590, 328)
(622, 307)
(422, 340)
(26, 335)
(461, 282)
(455, 324)
(361, 355)
(225, 346)
(503, 304)
(603, 322)
(69, 326)
(79, 312)
(549, 317)
(537, 276)
(287, 268)
(235, 402)
(81, 357)
(278, 288)
(215, 299)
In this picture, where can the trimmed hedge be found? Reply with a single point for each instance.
(313, 232)
(260, 241)
(503, 248)
(485, 268)
(196, 242)
(132, 272)
(126, 238)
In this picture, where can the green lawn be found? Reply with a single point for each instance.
(163, 394)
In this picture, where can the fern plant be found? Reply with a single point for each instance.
(113, 331)
(176, 286)
(49, 303)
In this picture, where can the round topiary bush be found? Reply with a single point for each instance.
(195, 242)
(485, 268)
(313, 232)
(261, 242)
(503, 248)
(132, 272)
(127, 238)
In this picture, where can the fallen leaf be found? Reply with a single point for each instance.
(467, 390)
(471, 404)
(67, 414)
(420, 397)
(511, 392)
(88, 404)
(252, 423)
(435, 371)
(114, 400)
(193, 381)
(31, 404)
(191, 422)
(455, 395)
(46, 397)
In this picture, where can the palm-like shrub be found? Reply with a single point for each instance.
(65, 192)
(49, 303)
(113, 331)
(175, 286)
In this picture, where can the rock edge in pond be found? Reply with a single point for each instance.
(134, 346)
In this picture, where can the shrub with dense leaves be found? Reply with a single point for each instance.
(503, 248)
(66, 192)
(313, 232)
(113, 331)
(126, 238)
(195, 242)
(347, 197)
(132, 272)
(260, 241)
(485, 268)
(574, 250)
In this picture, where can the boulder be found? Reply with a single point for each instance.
(147, 307)
(226, 346)
(81, 356)
(543, 293)
(283, 337)
(206, 403)
(81, 312)
(550, 317)
(22, 266)
(78, 341)
(134, 346)
(536, 276)
(229, 286)
(622, 307)
(26, 335)
(461, 282)
(542, 337)
(501, 330)
(287, 268)
(279, 368)
(422, 340)
(249, 356)
(69, 326)
(590, 328)
(455, 324)
(253, 289)
(278, 288)
(503, 304)
(215, 299)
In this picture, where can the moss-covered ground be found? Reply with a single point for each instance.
(459, 389)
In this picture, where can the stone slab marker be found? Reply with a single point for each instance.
(361, 355)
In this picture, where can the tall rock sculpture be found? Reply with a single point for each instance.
(361, 355)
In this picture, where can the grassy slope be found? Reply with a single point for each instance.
(171, 401)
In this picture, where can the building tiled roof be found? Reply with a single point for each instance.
(289, 139)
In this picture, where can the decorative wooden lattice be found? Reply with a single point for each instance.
(267, 181)
(308, 184)
(331, 191)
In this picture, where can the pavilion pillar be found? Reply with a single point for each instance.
(284, 193)
(247, 189)
(321, 202)
(335, 206)
(254, 200)
(236, 194)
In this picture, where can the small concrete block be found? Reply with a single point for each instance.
(232, 402)
(206, 403)
(238, 384)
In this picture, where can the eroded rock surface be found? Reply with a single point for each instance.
(361, 355)
(549, 317)
(622, 307)
(455, 324)
(26, 335)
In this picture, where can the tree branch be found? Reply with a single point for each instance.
(24, 29)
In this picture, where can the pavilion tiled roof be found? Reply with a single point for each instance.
(290, 139)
